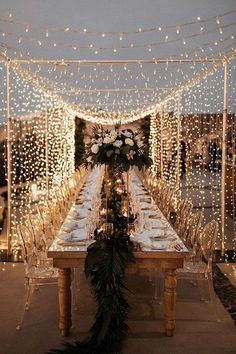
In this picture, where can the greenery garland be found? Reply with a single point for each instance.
(105, 265)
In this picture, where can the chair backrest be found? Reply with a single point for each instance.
(182, 218)
(184, 207)
(36, 262)
(167, 203)
(38, 229)
(207, 240)
(193, 229)
(29, 248)
(164, 191)
(158, 190)
(175, 200)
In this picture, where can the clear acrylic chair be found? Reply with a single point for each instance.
(199, 268)
(38, 269)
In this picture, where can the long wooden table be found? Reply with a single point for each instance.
(66, 258)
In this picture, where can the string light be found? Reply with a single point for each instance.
(115, 33)
(62, 106)
(168, 38)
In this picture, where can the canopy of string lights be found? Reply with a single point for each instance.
(182, 75)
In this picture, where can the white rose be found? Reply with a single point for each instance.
(95, 149)
(139, 143)
(118, 143)
(129, 141)
(89, 159)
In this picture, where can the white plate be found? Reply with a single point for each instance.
(160, 245)
(159, 248)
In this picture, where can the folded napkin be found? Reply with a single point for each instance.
(82, 201)
(156, 223)
(159, 245)
(139, 193)
(74, 213)
(79, 234)
(145, 199)
(79, 213)
(71, 224)
(145, 205)
(76, 235)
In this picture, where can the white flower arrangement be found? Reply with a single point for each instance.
(117, 148)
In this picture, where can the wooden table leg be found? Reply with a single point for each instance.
(64, 293)
(170, 301)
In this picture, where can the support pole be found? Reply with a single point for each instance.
(178, 142)
(46, 147)
(161, 126)
(8, 158)
(153, 142)
(223, 162)
(127, 181)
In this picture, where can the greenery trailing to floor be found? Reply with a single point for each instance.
(145, 129)
(105, 265)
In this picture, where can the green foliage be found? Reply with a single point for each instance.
(79, 141)
(105, 265)
(145, 128)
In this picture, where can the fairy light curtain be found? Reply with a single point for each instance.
(202, 145)
(169, 142)
(41, 148)
(164, 142)
(231, 159)
(111, 92)
(155, 143)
